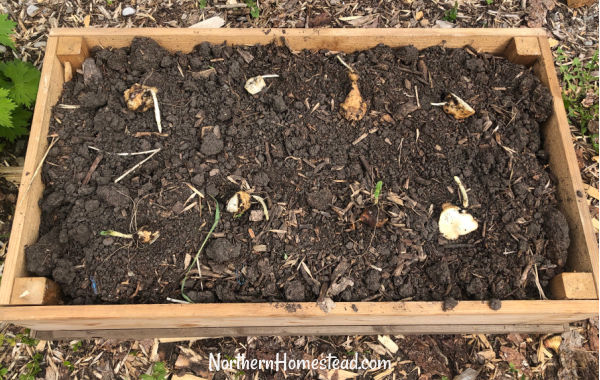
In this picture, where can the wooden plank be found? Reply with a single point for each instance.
(35, 291)
(27, 212)
(209, 332)
(523, 50)
(573, 286)
(488, 40)
(579, 3)
(75, 317)
(583, 251)
(72, 49)
(12, 173)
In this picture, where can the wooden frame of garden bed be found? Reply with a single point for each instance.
(27, 300)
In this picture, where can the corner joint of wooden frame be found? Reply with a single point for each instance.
(573, 286)
(523, 50)
(72, 50)
(35, 291)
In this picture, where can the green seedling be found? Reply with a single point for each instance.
(32, 368)
(489, 2)
(69, 365)
(377, 192)
(142, 235)
(254, 11)
(195, 261)
(159, 372)
(26, 339)
(450, 14)
(202, 4)
(76, 346)
(580, 91)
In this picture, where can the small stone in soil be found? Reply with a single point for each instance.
(294, 291)
(91, 74)
(320, 199)
(495, 304)
(32, 10)
(128, 11)
(221, 250)
(211, 145)
(279, 103)
(449, 304)
(256, 215)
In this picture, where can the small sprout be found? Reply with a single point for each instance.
(144, 236)
(238, 204)
(255, 84)
(457, 107)
(377, 192)
(263, 204)
(116, 234)
(454, 222)
(463, 192)
(139, 95)
(353, 107)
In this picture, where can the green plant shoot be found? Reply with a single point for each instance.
(254, 11)
(159, 372)
(450, 14)
(377, 192)
(212, 229)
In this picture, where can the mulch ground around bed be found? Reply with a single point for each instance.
(316, 171)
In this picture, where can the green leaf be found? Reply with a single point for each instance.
(25, 79)
(6, 108)
(6, 29)
(21, 118)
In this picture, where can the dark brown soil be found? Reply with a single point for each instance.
(295, 150)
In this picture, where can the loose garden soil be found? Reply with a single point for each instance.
(316, 170)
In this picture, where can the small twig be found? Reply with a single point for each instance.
(156, 111)
(537, 283)
(144, 134)
(124, 154)
(345, 64)
(417, 96)
(92, 169)
(137, 165)
(176, 300)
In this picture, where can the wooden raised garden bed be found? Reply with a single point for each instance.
(28, 301)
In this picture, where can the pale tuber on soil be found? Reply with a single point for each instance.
(239, 203)
(255, 84)
(140, 95)
(454, 223)
(457, 107)
(354, 107)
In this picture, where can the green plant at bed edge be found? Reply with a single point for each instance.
(254, 11)
(159, 372)
(451, 14)
(580, 85)
(18, 88)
